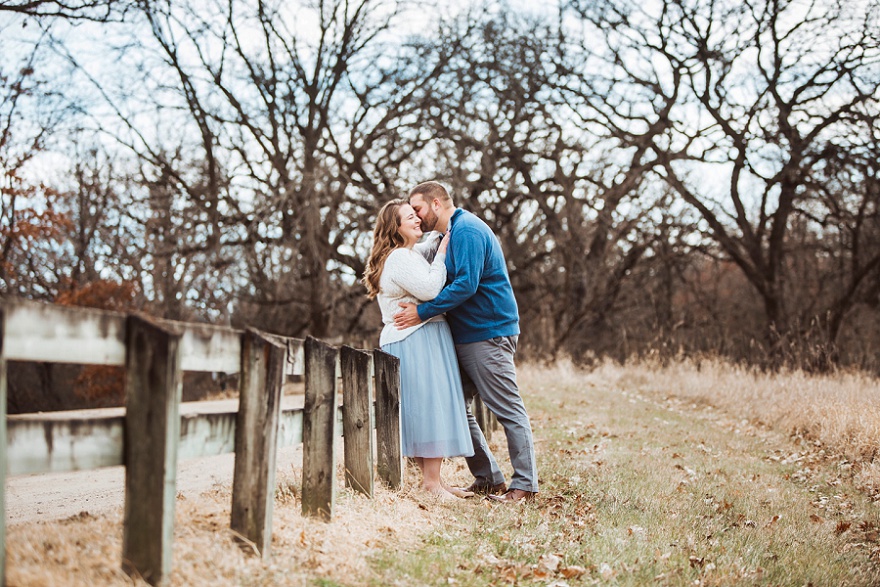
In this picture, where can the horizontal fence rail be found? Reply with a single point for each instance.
(61, 334)
(155, 430)
(80, 440)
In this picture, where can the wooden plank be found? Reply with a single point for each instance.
(3, 447)
(206, 434)
(43, 444)
(319, 424)
(290, 428)
(389, 460)
(80, 440)
(208, 348)
(263, 363)
(153, 388)
(357, 419)
(295, 358)
(41, 332)
(58, 334)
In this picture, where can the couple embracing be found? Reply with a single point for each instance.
(451, 318)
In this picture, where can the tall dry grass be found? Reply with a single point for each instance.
(85, 550)
(640, 485)
(837, 414)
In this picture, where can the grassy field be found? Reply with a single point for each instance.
(690, 474)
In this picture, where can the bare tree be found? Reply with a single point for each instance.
(31, 111)
(92, 10)
(517, 128)
(762, 101)
(286, 148)
(644, 164)
(842, 216)
(259, 158)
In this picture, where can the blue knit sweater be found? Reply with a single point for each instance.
(478, 298)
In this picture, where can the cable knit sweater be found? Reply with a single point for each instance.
(408, 277)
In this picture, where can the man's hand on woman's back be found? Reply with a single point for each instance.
(409, 316)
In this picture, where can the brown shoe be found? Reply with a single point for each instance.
(513, 496)
(486, 489)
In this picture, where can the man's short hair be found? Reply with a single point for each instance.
(430, 190)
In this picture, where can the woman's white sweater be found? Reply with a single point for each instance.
(408, 277)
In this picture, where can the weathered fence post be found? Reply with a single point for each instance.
(483, 416)
(263, 363)
(486, 418)
(153, 386)
(389, 462)
(2, 447)
(319, 429)
(357, 419)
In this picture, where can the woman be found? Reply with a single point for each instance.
(432, 411)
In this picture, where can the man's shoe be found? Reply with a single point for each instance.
(513, 496)
(486, 489)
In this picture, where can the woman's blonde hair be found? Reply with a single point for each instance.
(386, 238)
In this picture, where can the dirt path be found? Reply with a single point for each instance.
(56, 496)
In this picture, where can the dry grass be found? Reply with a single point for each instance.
(85, 550)
(839, 414)
(690, 474)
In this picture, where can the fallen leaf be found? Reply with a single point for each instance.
(572, 572)
(550, 562)
(541, 573)
(491, 559)
(509, 574)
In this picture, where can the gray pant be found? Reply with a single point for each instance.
(487, 369)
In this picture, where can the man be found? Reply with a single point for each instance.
(482, 314)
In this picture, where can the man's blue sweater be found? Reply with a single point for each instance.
(478, 298)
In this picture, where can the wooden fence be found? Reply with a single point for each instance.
(153, 431)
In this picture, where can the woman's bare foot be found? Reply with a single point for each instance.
(439, 492)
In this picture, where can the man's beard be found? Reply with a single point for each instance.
(429, 221)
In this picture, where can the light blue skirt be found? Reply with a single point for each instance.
(433, 420)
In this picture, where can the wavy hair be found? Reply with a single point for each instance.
(386, 238)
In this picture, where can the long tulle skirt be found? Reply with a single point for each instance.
(433, 420)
